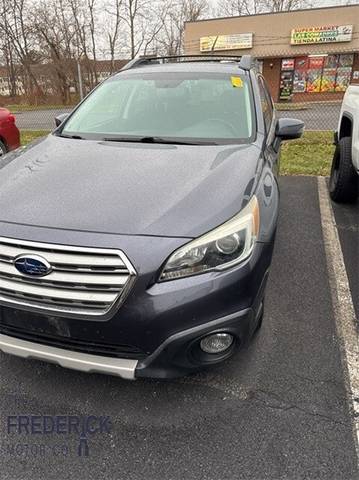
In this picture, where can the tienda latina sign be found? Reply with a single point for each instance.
(325, 34)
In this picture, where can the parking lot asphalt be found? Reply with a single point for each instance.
(278, 410)
(316, 117)
(39, 119)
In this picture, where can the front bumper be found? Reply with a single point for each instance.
(121, 367)
(178, 355)
(156, 331)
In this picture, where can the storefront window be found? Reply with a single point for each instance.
(327, 73)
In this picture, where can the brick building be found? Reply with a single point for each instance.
(305, 55)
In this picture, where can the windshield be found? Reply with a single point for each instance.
(184, 107)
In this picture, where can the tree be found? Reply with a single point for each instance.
(133, 10)
(143, 22)
(230, 8)
(15, 25)
(171, 39)
(114, 19)
(54, 35)
(91, 9)
(285, 5)
(45, 40)
(8, 60)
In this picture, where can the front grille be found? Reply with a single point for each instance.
(76, 345)
(82, 281)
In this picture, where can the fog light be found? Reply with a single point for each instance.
(216, 342)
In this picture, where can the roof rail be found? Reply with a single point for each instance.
(136, 62)
(244, 61)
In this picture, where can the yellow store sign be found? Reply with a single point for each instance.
(325, 34)
(235, 41)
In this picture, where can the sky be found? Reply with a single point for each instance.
(327, 3)
(320, 3)
(310, 4)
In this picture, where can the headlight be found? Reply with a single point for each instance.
(223, 247)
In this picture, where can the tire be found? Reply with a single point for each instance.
(3, 149)
(343, 183)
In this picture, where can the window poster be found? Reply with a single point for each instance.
(300, 81)
(331, 61)
(286, 85)
(301, 63)
(287, 64)
(346, 60)
(328, 80)
(300, 75)
(343, 78)
(316, 62)
(314, 80)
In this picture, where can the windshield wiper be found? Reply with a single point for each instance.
(155, 140)
(75, 137)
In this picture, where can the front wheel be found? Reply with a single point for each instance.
(343, 184)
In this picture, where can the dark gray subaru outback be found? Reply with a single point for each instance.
(136, 239)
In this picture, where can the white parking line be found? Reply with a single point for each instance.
(342, 304)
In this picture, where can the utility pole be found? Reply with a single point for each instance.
(80, 80)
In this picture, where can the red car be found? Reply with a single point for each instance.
(9, 133)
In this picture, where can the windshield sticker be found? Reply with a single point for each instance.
(237, 82)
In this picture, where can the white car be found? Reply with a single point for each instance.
(344, 177)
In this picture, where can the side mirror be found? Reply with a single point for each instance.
(61, 118)
(289, 128)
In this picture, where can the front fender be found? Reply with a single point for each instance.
(267, 193)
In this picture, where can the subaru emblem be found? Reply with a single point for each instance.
(32, 265)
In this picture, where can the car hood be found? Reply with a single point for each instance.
(125, 188)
